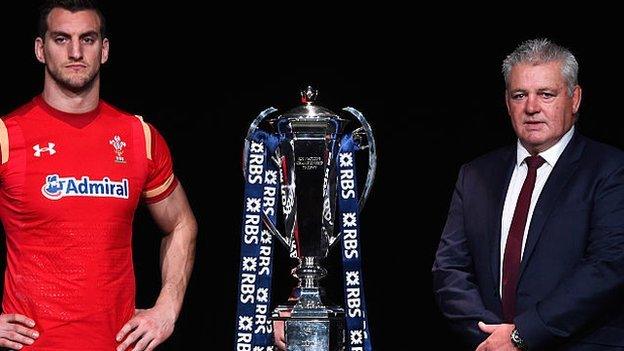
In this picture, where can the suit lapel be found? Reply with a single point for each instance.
(499, 184)
(559, 177)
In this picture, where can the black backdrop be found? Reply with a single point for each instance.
(433, 94)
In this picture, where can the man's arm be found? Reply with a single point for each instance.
(454, 283)
(595, 286)
(151, 327)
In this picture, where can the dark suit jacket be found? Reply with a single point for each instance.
(571, 288)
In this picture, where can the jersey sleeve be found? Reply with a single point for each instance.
(160, 180)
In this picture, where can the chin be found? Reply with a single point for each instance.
(77, 83)
(533, 141)
(535, 135)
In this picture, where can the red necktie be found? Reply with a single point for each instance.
(513, 249)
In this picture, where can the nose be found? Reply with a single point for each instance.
(75, 50)
(532, 105)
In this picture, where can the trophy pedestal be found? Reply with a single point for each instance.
(325, 332)
(315, 334)
(306, 335)
(310, 324)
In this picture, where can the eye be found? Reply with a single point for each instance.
(518, 96)
(88, 40)
(60, 40)
(548, 95)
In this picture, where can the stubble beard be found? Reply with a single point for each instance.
(73, 83)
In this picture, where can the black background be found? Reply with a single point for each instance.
(433, 94)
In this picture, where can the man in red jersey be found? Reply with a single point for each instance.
(73, 169)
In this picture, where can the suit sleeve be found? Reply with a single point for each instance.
(596, 284)
(160, 180)
(455, 289)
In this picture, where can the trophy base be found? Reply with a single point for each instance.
(315, 329)
(314, 334)
(311, 323)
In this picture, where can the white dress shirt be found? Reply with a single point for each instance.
(515, 185)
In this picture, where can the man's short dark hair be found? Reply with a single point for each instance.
(72, 6)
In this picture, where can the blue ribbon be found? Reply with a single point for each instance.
(358, 333)
(254, 330)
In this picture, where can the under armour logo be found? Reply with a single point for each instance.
(38, 149)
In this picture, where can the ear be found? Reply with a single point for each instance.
(39, 51)
(105, 49)
(576, 98)
(507, 101)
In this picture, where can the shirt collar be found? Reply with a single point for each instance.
(551, 155)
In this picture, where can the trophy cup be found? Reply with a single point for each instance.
(306, 156)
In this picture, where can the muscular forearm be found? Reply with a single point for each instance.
(148, 328)
(176, 259)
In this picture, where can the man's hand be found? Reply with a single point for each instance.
(16, 331)
(148, 329)
(499, 339)
(278, 331)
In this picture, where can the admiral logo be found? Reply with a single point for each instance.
(57, 187)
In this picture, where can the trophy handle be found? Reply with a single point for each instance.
(252, 128)
(358, 134)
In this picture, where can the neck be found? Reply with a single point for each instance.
(66, 100)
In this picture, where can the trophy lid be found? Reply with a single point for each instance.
(309, 109)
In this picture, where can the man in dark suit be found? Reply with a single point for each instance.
(532, 253)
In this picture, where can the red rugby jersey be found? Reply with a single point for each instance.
(69, 186)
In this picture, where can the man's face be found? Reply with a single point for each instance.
(537, 101)
(72, 48)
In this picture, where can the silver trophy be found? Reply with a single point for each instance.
(310, 138)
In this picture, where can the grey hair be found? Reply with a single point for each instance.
(539, 51)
